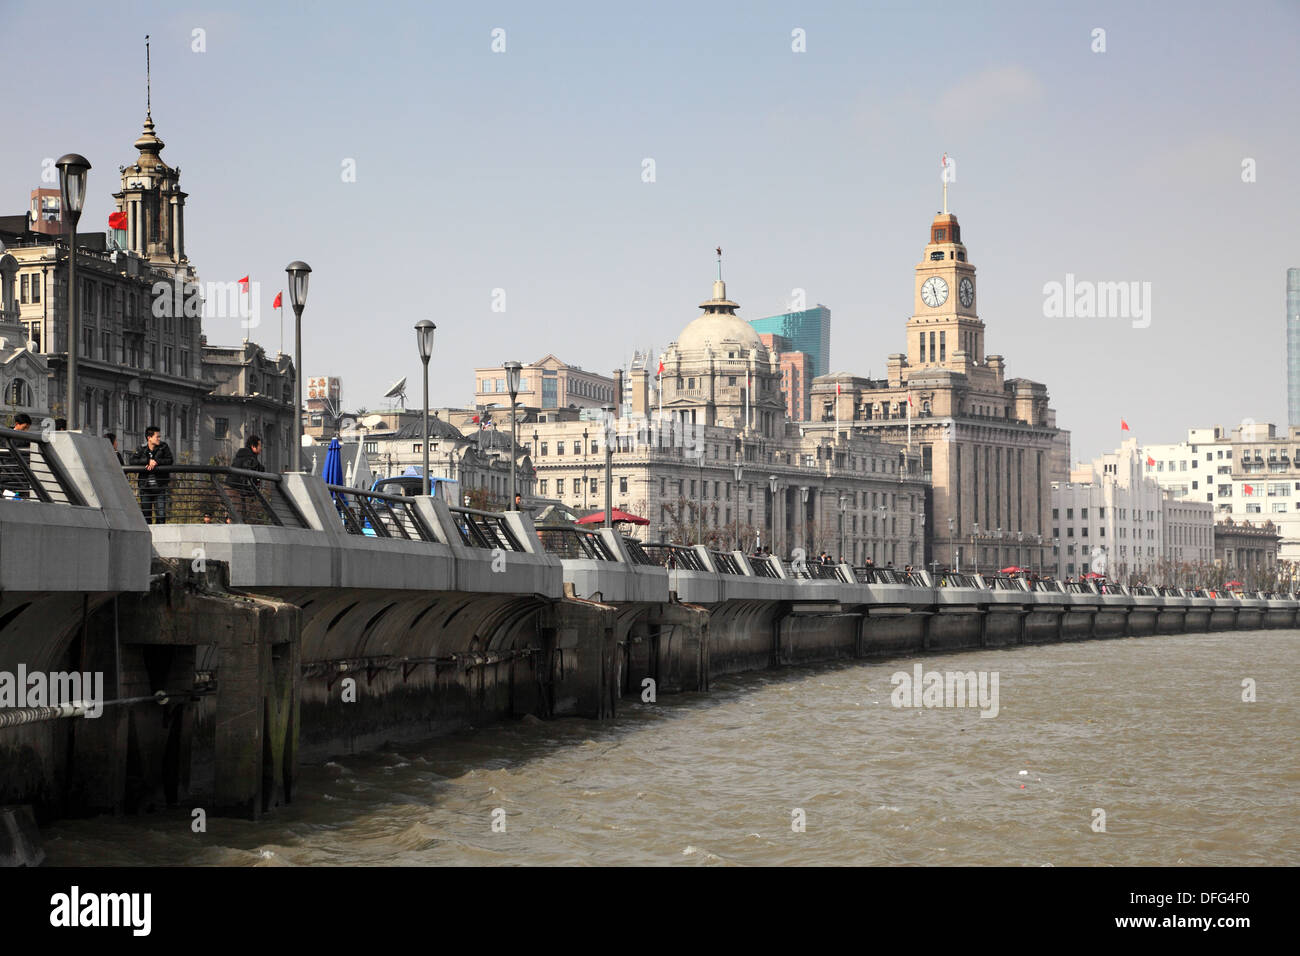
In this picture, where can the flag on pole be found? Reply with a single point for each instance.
(1123, 425)
(1249, 489)
(661, 367)
(244, 282)
(1151, 462)
(117, 220)
(277, 304)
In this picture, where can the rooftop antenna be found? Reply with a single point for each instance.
(148, 92)
(719, 262)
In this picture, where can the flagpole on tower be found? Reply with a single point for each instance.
(944, 176)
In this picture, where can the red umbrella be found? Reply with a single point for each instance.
(615, 517)
(1234, 584)
(1012, 570)
(1094, 574)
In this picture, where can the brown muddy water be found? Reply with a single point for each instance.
(1152, 731)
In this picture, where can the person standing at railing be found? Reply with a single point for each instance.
(247, 458)
(152, 455)
(13, 477)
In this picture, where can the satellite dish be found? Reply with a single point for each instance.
(398, 391)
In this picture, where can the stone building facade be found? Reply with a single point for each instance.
(986, 439)
(250, 393)
(139, 360)
(723, 408)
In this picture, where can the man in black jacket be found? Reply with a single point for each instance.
(247, 458)
(153, 454)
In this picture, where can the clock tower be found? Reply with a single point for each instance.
(945, 331)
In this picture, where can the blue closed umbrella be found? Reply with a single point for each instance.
(333, 471)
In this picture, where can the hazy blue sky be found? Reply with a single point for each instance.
(819, 170)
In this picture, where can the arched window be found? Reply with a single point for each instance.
(18, 393)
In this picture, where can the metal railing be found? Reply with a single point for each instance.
(638, 554)
(28, 472)
(816, 571)
(212, 494)
(1077, 587)
(485, 529)
(575, 543)
(956, 579)
(725, 562)
(763, 565)
(675, 556)
(874, 575)
(379, 515)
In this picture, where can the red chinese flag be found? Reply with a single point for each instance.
(117, 220)
(1123, 425)
(661, 366)
(244, 283)
(1249, 490)
(1151, 461)
(276, 304)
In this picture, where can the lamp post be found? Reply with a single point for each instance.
(424, 330)
(740, 471)
(974, 553)
(585, 446)
(608, 411)
(699, 504)
(771, 484)
(512, 386)
(72, 186)
(844, 501)
(299, 274)
(952, 555)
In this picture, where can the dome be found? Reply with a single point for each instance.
(718, 327)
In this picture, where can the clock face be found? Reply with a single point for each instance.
(967, 292)
(934, 292)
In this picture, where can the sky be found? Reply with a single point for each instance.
(1162, 159)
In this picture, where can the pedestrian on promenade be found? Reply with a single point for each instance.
(248, 458)
(153, 455)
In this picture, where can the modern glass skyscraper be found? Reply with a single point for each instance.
(1293, 346)
(808, 331)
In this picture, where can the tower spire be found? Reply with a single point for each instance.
(148, 90)
(719, 263)
(944, 176)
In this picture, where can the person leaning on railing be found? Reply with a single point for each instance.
(153, 454)
(13, 477)
(247, 458)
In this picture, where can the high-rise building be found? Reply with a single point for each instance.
(1293, 346)
(546, 383)
(796, 375)
(808, 331)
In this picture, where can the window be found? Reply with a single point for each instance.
(622, 486)
(1084, 532)
(943, 346)
(418, 447)
(220, 427)
(22, 286)
(1056, 514)
(36, 287)
(1279, 507)
(543, 443)
(1069, 514)
(663, 487)
(559, 448)
(1083, 513)
(541, 486)
(559, 486)
(1102, 533)
(106, 346)
(1069, 532)
(1056, 531)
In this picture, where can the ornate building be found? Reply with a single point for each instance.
(139, 364)
(986, 439)
(250, 394)
(723, 410)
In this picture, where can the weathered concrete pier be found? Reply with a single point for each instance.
(320, 619)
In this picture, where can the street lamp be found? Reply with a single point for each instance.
(608, 411)
(424, 338)
(771, 483)
(299, 272)
(952, 555)
(512, 386)
(740, 471)
(72, 184)
(974, 552)
(585, 484)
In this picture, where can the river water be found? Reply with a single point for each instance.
(1153, 731)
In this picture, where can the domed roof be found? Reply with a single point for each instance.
(719, 326)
